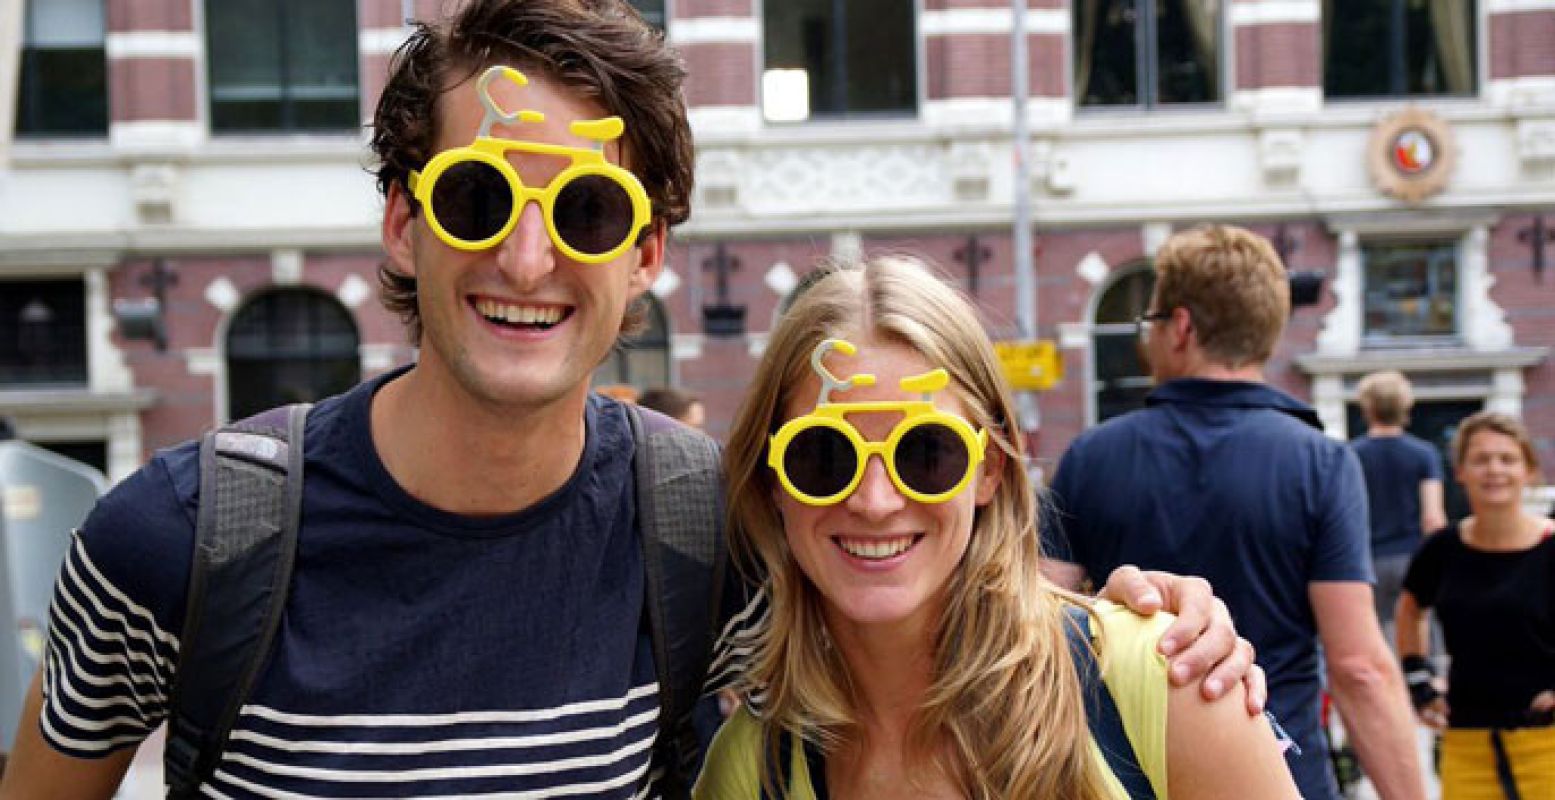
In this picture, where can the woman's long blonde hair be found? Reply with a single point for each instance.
(1004, 714)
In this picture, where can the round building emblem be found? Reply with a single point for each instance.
(1411, 155)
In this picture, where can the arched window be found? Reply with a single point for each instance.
(288, 346)
(1122, 377)
(642, 360)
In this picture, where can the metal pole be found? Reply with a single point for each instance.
(1025, 277)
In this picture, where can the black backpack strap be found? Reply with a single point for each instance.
(1101, 713)
(245, 545)
(680, 513)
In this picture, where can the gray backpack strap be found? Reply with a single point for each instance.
(245, 545)
(680, 514)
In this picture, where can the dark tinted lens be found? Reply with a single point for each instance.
(820, 461)
(593, 214)
(472, 201)
(931, 459)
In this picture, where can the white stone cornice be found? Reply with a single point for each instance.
(380, 41)
(1515, 6)
(724, 120)
(151, 44)
(1532, 92)
(715, 30)
(156, 134)
(992, 20)
(1270, 12)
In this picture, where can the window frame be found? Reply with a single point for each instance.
(618, 362)
(836, 43)
(1146, 69)
(288, 100)
(1383, 340)
(229, 330)
(28, 96)
(1479, 62)
(1128, 271)
(77, 374)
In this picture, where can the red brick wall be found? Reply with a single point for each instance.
(686, 9)
(1529, 303)
(978, 65)
(721, 73)
(151, 88)
(1278, 54)
(150, 15)
(185, 402)
(1522, 44)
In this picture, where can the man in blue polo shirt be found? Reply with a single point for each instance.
(1224, 476)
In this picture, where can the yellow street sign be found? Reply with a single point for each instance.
(1031, 365)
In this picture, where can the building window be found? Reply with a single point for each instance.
(64, 73)
(43, 333)
(642, 360)
(289, 346)
(1411, 290)
(282, 65)
(831, 58)
(652, 10)
(1146, 52)
(1122, 377)
(1398, 48)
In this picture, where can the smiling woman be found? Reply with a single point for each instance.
(914, 648)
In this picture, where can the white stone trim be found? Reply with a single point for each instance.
(286, 265)
(151, 44)
(950, 22)
(995, 112)
(715, 30)
(156, 134)
(106, 370)
(1534, 91)
(1481, 322)
(376, 357)
(380, 41)
(686, 346)
(1273, 100)
(1341, 334)
(1273, 12)
(726, 120)
(1515, 6)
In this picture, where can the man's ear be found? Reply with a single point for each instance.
(399, 224)
(991, 474)
(650, 261)
(1181, 325)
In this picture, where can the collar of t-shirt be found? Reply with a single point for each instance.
(1231, 394)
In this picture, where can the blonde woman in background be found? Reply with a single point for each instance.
(914, 648)
(1490, 579)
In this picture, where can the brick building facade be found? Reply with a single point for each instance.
(823, 129)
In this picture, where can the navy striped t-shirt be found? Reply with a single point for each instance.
(421, 654)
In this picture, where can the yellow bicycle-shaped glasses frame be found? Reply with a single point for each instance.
(915, 413)
(491, 151)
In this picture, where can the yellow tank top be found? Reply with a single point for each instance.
(1135, 674)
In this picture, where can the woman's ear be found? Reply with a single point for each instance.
(991, 474)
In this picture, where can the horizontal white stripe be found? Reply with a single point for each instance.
(134, 647)
(58, 683)
(1269, 12)
(1516, 6)
(568, 790)
(151, 44)
(459, 718)
(147, 621)
(715, 30)
(442, 773)
(450, 745)
(115, 672)
(992, 20)
(380, 41)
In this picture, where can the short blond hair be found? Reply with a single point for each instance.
(1386, 397)
(1232, 282)
(1495, 422)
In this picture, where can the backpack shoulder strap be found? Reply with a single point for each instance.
(680, 514)
(245, 545)
(1101, 713)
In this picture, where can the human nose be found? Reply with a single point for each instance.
(526, 256)
(876, 496)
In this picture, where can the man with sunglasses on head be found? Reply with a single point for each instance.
(467, 611)
(1224, 476)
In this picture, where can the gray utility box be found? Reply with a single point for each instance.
(46, 496)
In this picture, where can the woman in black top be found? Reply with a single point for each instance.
(1491, 580)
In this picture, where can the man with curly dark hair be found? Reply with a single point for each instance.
(468, 609)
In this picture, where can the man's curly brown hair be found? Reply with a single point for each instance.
(601, 49)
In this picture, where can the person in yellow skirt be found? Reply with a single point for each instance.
(914, 648)
(1491, 580)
